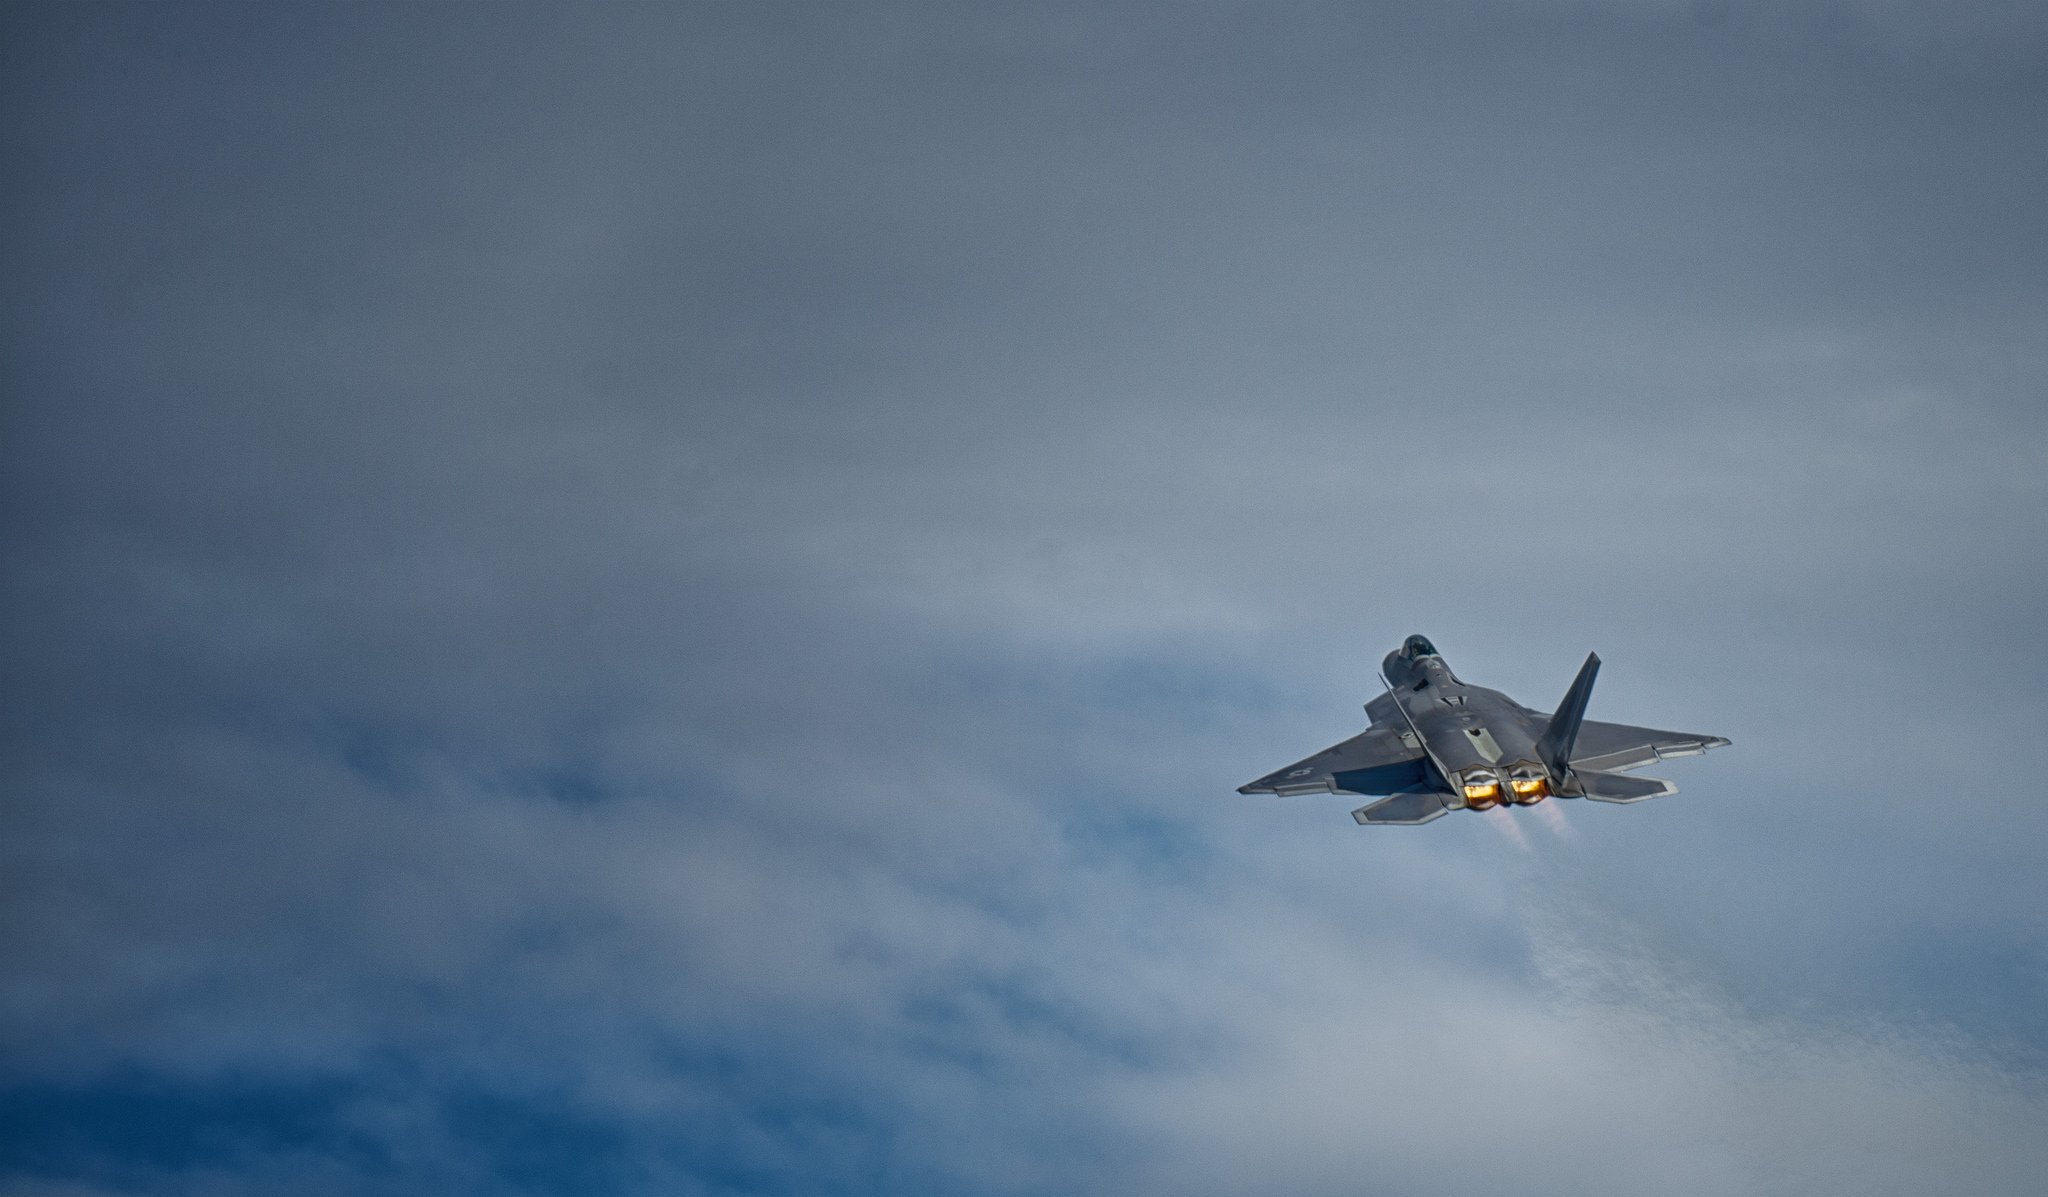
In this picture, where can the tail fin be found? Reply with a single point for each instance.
(1556, 745)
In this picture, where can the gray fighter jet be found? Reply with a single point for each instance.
(1437, 745)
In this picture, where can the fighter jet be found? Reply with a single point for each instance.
(1438, 745)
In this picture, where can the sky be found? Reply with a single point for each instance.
(672, 599)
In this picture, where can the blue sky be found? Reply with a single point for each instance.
(628, 599)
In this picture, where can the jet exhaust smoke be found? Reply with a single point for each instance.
(1501, 818)
(1553, 818)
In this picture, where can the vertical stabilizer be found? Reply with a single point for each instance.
(1556, 745)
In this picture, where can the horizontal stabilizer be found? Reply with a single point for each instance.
(1621, 787)
(1407, 809)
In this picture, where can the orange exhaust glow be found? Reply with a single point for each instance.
(1483, 795)
(1531, 790)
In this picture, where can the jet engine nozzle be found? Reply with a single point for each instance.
(1481, 788)
(1528, 783)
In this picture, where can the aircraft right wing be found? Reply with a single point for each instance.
(1612, 747)
(1380, 760)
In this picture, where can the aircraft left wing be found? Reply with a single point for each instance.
(1612, 747)
(1379, 760)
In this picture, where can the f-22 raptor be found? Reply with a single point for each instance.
(1437, 745)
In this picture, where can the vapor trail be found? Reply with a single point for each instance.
(1553, 818)
(1499, 817)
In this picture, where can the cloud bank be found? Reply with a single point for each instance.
(627, 600)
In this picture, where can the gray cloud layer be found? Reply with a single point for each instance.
(627, 599)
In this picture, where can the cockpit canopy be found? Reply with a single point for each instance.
(1416, 647)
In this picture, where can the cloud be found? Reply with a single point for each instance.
(1610, 1075)
(673, 602)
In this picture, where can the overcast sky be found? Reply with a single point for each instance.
(671, 599)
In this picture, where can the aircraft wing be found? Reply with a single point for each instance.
(1379, 760)
(1612, 747)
